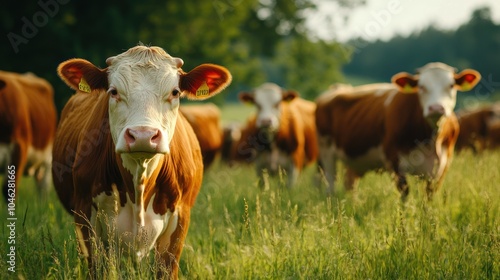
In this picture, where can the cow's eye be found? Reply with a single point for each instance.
(176, 92)
(452, 85)
(423, 88)
(113, 91)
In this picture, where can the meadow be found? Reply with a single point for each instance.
(239, 231)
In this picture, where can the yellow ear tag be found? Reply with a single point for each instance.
(83, 86)
(465, 86)
(203, 90)
(407, 88)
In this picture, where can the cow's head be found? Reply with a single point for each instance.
(144, 86)
(268, 98)
(437, 85)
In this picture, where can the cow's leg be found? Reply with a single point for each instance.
(430, 189)
(262, 168)
(328, 161)
(43, 176)
(18, 161)
(170, 243)
(402, 185)
(83, 231)
(351, 179)
(292, 175)
(208, 158)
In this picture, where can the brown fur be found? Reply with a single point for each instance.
(85, 164)
(357, 120)
(27, 118)
(474, 129)
(205, 121)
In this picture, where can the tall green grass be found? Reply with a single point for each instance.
(239, 231)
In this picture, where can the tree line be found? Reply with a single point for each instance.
(475, 44)
(256, 40)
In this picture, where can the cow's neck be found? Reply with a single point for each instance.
(142, 171)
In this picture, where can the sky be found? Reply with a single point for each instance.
(383, 19)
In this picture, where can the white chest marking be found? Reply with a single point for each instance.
(113, 222)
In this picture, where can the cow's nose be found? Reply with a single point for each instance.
(436, 110)
(142, 138)
(265, 122)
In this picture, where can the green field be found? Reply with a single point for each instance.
(241, 232)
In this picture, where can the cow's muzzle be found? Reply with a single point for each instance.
(143, 139)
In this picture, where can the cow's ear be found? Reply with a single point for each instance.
(406, 82)
(289, 95)
(204, 81)
(467, 79)
(246, 97)
(80, 74)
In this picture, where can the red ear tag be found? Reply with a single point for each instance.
(203, 90)
(84, 86)
(469, 78)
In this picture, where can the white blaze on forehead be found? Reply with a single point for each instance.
(436, 87)
(144, 79)
(267, 98)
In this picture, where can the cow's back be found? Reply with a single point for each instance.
(27, 110)
(343, 117)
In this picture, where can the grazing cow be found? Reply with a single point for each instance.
(205, 121)
(474, 128)
(282, 135)
(27, 123)
(407, 127)
(126, 163)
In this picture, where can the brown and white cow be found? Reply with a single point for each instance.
(282, 135)
(28, 121)
(205, 121)
(126, 163)
(407, 127)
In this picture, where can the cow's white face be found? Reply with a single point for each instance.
(143, 87)
(437, 86)
(143, 102)
(437, 92)
(267, 99)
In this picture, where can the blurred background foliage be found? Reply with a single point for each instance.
(257, 40)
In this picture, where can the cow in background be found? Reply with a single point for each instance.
(28, 121)
(407, 127)
(127, 164)
(281, 135)
(477, 128)
(231, 135)
(205, 121)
